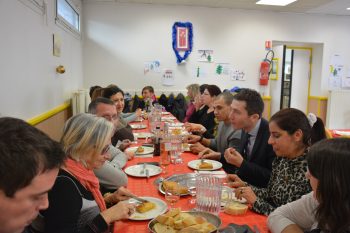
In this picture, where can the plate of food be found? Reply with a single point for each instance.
(165, 118)
(185, 221)
(140, 170)
(148, 210)
(140, 150)
(205, 164)
(143, 135)
(138, 126)
(180, 181)
(228, 195)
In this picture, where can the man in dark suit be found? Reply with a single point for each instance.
(252, 162)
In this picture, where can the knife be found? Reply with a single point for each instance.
(147, 174)
(138, 198)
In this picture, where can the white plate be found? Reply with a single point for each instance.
(138, 126)
(228, 194)
(176, 124)
(161, 208)
(143, 135)
(168, 118)
(147, 150)
(194, 164)
(135, 170)
(165, 113)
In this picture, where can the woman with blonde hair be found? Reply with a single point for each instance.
(76, 203)
(194, 94)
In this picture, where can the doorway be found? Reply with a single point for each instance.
(295, 78)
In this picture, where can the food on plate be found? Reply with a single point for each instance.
(205, 165)
(176, 131)
(145, 206)
(181, 222)
(140, 149)
(235, 208)
(173, 186)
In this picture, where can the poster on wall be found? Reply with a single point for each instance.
(223, 68)
(335, 72)
(151, 66)
(205, 55)
(182, 35)
(238, 75)
(346, 80)
(168, 78)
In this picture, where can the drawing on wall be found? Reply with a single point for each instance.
(205, 55)
(199, 72)
(151, 66)
(274, 70)
(56, 45)
(168, 78)
(223, 68)
(335, 72)
(238, 75)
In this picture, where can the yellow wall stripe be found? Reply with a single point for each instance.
(318, 97)
(37, 119)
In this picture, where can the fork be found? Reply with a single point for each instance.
(143, 169)
(147, 174)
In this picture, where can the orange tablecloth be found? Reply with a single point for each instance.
(141, 187)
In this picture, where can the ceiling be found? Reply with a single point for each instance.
(332, 7)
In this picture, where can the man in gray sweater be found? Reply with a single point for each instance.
(226, 136)
(111, 174)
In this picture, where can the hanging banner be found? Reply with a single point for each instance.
(182, 40)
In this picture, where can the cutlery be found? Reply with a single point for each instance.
(143, 169)
(147, 174)
(138, 198)
(157, 181)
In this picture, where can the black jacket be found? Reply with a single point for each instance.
(257, 170)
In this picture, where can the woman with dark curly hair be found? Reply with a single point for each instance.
(327, 208)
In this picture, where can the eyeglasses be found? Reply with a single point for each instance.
(105, 149)
(111, 118)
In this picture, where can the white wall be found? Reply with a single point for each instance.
(29, 83)
(119, 38)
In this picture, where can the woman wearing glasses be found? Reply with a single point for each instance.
(76, 203)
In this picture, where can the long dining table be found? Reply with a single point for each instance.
(143, 187)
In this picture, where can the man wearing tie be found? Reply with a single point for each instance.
(252, 162)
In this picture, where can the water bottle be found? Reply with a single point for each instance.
(157, 139)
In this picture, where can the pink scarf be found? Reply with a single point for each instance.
(88, 179)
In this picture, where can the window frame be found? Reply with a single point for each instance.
(61, 21)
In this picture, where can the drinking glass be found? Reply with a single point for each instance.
(165, 161)
(176, 149)
(191, 185)
(172, 196)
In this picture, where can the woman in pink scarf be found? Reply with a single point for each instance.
(76, 203)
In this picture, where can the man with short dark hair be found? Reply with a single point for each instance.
(253, 162)
(29, 163)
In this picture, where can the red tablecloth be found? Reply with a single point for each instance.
(141, 187)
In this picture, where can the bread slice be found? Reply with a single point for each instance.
(160, 228)
(235, 208)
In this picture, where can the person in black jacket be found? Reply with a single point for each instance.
(253, 161)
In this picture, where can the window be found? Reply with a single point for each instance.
(67, 16)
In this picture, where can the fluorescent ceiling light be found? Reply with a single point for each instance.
(275, 2)
(348, 8)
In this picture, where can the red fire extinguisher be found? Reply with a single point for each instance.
(264, 73)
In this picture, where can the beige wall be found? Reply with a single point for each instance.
(53, 126)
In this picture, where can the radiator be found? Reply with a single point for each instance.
(80, 101)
